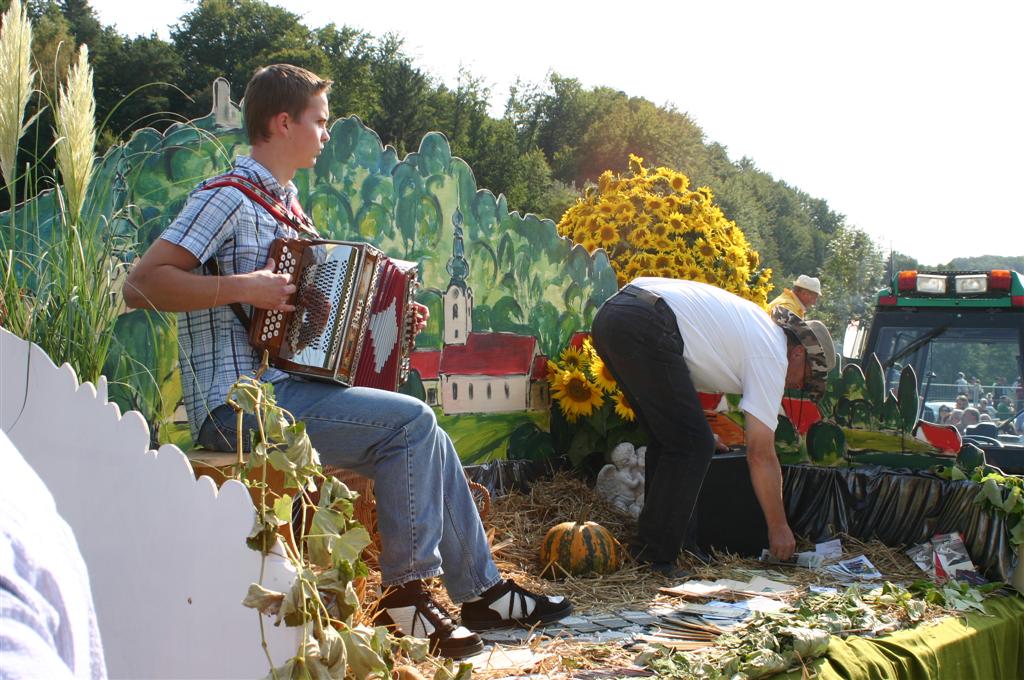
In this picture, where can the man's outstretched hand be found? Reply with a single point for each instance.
(781, 542)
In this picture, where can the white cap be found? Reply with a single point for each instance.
(810, 283)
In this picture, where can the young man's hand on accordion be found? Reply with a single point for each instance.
(268, 289)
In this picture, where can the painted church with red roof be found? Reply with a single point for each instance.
(479, 372)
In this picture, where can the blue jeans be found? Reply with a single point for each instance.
(428, 523)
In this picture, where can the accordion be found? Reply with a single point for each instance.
(352, 323)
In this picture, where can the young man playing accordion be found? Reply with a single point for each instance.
(428, 523)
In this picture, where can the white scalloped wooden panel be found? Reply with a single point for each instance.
(166, 553)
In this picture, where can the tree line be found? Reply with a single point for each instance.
(553, 138)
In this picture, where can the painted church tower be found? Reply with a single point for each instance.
(458, 298)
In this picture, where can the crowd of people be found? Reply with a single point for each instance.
(974, 404)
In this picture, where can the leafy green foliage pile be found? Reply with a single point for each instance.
(773, 643)
(1002, 494)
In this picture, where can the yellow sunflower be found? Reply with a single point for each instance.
(664, 260)
(642, 260)
(678, 182)
(577, 396)
(623, 409)
(704, 247)
(554, 373)
(573, 359)
(607, 235)
(600, 373)
(636, 165)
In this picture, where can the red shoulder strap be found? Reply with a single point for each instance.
(293, 216)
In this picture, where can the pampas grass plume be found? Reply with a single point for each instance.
(76, 134)
(16, 85)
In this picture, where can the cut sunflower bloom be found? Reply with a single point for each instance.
(577, 396)
(623, 409)
(602, 376)
(573, 358)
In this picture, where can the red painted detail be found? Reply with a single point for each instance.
(540, 368)
(709, 402)
(1017, 301)
(577, 339)
(426, 363)
(490, 354)
(945, 438)
(887, 300)
(801, 412)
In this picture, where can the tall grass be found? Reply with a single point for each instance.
(16, 86)
(61, 281)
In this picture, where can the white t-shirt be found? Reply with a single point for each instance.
(730, 344)
(48, 624)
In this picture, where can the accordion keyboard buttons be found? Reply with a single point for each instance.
(287, 261)
(271, 326)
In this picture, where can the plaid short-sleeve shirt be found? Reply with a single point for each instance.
(225, 224)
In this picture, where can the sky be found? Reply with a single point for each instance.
(907, 117)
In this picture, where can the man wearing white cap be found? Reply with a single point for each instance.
(799, 299)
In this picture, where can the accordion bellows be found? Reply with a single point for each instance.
(352, 322)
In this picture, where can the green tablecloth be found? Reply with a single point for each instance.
(958, 648)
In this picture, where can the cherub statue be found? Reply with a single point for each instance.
(621, 482)
(640, 472)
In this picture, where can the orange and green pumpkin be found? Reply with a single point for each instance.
(578, 548)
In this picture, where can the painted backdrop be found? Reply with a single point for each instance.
(504, 290)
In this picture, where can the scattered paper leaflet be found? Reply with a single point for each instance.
(943, 557)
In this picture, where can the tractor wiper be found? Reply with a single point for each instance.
(916, 345)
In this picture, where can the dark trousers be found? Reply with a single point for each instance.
(636, 334)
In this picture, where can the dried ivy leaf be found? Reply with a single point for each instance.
(915, 609)
(263, 536)
(414, 648)
(763, 663)
(246, 395)
(342, 599)
(283, 509)
(299, 449)
(809, 643)
(332, 540)
(363, 659)
(263, 600)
